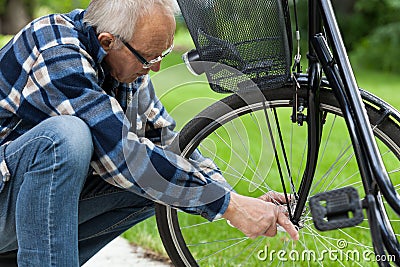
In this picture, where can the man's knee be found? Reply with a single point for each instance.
(72, 130)
(70, 135)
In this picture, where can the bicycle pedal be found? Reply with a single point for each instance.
(336, 209)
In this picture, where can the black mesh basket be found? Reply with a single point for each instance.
(251, 37)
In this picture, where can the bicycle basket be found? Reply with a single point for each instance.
(249, 36)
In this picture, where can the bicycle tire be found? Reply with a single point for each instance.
(171, 223)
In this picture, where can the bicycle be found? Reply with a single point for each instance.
(271, 93)
(246, 50)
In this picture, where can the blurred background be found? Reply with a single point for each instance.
(371, 27)
(371, 30)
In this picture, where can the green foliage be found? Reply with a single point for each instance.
(2, 6)
(63, 6)
(4, 39)
(55, 6)
(378, 34)
(370, 30)
(380, 50)
(394, 3)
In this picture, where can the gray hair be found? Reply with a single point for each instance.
(117, 16)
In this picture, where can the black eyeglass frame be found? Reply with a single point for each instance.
(147, 64)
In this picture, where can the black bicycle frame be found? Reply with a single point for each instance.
(339, 74)
(314, 117)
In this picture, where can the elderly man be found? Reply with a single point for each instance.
(76, 170)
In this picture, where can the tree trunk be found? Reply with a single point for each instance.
(15, 17)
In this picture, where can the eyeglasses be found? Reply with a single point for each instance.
(147, 64)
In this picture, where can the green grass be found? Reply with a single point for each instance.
(384, 85)
(146, 235)
(185, 95)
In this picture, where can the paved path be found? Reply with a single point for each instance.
(119, 253)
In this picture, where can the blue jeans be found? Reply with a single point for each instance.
(51, 209)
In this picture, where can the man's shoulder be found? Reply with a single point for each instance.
(68, 20)
(56, 29)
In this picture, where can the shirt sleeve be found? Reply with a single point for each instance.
(63, 81)
(159, 127)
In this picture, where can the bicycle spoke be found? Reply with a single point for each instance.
(221, 250)
(200, 224)
(334, 179)
(325, 176)
(243, 149)
(327, 141)
(254, 244)
(239, 156)
(217, 241)
(237, 174)
(247, 149)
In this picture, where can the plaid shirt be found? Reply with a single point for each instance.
(54, 66)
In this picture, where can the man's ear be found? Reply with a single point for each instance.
(106, 40)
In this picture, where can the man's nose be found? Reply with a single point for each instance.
(156, 67)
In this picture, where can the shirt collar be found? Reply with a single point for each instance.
(88, 37)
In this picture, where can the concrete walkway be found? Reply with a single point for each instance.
(119, 253)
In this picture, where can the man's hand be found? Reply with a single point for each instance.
(259, 216)
(275, 197)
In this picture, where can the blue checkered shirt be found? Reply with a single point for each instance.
(54, 66)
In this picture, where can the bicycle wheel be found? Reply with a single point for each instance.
(234, 134)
